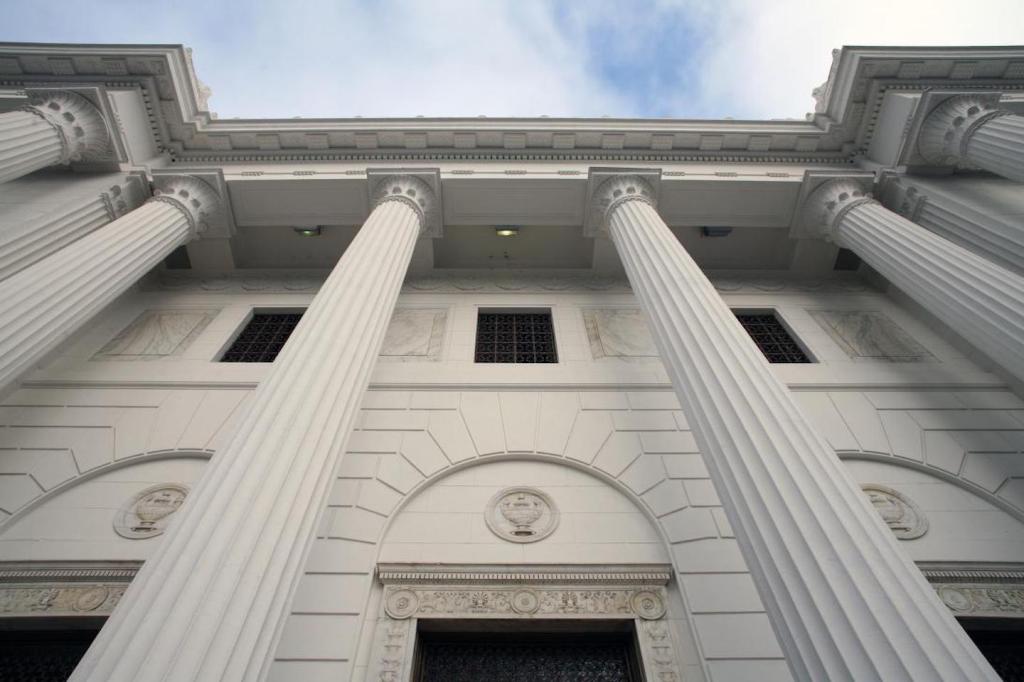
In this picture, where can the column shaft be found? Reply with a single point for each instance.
(997, 145)
(27, 143)
(44, 304)
(211, 601)
(846, 603)
(66, 212)
(977, 299)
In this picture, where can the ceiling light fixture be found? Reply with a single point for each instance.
(715, 231)
(506, 231)
(308, 231)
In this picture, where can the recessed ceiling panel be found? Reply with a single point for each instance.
(282, 247)
(736, 203)
(548, 201)
(534, 247)
(299, 201)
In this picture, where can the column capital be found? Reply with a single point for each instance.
(898, 195)
(949, 123)
(419, 189)
(202, 194)
(127, 194)
(80, 125)
(611, 187)
(199, 202)
(825, 197)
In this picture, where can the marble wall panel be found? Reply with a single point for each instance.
(870, 335)
(619, 333)
(157, 334)
(414, 334)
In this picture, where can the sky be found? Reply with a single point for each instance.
(744, 59)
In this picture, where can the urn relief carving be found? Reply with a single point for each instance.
(521, 515)
(904, 518)
(146, 514)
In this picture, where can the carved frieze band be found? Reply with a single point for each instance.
(63, 590)
(979, 590)
(482, 282)
(407, 601)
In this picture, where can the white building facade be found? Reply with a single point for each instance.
(459, 399)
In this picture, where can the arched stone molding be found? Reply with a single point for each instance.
(972, 438)
(46, 494)
(960, 481)
(636, 443)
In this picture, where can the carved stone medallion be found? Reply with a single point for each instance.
(900, 513)
(401, 604)
(648, 605)
(146, 514)
(521, 515)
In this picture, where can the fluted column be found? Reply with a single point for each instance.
(980, 301)
(844, 600)
(962, 211)
(973, 130)
(30, 232)
(60, 127)
(211, 601)
(44, 304)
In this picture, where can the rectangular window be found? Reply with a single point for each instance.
(525, 337)
(263, 338)
(772, 337)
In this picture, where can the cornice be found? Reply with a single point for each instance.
(841, 128)
(503, 574)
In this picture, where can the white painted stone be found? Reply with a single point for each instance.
(618, 452)
(482, 413)
(667, 496)
(589, 433)
(555, 421)
(449, 431)
(420, 450)
(217, 576)
(519, 419)
(755, 439)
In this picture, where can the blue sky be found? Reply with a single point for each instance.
(657, 58)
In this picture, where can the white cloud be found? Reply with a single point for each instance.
(685, 58)
(765, 56)
(407, 58)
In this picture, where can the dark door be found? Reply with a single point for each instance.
(528, 657)
(42, 655)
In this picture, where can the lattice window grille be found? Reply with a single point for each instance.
(263, 337)
(515, 337)
(774, 340)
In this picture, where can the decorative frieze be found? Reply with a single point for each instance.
(65, 589)
(484, 282)
(69, 600)
(983, 600)
(413, 592)
(514, 600)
